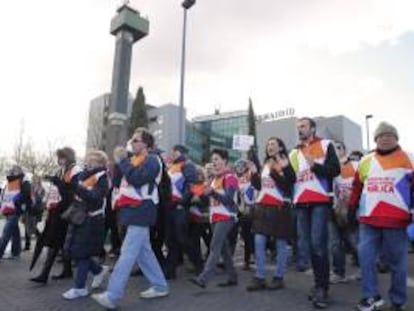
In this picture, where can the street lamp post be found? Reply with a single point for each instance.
(187, 4)
(367, 117)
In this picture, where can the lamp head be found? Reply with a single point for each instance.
(188, 4)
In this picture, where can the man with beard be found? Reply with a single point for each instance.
(383, 194)
(316, 164)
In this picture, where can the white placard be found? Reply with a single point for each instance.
(242, 142)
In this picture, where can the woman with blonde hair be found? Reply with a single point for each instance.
(85, 235)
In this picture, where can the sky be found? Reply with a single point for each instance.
(321, 57)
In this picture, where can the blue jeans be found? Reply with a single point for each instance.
(136, 248)
(83, 267)
(11, 231)
(337, 242)
(260, 253)
(395, 243)
(313, 224)
(303, 246)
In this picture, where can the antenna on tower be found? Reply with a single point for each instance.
(217, 109)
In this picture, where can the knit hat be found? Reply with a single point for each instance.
(385, 128)
(15, 170)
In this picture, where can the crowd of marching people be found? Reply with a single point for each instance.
(318, 199)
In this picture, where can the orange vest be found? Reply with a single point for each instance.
(128, 195)
(219, 212)
(308, 187)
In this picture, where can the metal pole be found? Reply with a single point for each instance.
(367, 117)
(367, 128)
(181, 99)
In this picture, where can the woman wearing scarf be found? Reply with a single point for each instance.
(85, 236)
(223, 215)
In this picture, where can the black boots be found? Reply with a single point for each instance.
(66, 272)
(47, 266)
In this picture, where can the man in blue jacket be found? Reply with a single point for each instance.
(137, 201)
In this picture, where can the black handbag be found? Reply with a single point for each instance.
(75, 214)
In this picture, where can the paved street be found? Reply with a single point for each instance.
(18, 294)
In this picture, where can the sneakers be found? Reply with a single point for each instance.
(275, 284)
(337, 279)
(11, 257)
(103, 300)
(370, 304)
(99, 278)
(75, 293)
(152, 292)
(256, 284)
(320, 299)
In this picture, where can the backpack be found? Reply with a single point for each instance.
(165, 196)
(164, 187)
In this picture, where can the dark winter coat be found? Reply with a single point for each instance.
(275, 221)
(87, 240)
(190, 177)
(55, 228)
(144, 215)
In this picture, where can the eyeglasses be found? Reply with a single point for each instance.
(136, 140)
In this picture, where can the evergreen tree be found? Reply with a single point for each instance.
(139, 117)
(251, 121)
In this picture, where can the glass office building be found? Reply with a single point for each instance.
(218, 130)
(196, 142)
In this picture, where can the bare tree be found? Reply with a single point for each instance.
(4, 166)
(97, 123)
(48, 164)
(19, 146)
(32, 161)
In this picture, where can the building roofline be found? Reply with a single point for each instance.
(221, 115)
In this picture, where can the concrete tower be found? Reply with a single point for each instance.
(128, 27)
